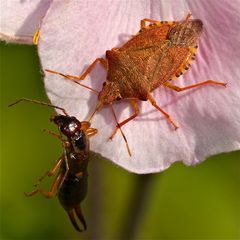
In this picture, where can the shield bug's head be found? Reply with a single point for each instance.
(186, 32)
(109, 93)
(67, 125)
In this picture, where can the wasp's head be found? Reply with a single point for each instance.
(67, 125)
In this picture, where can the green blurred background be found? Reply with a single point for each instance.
(201, 202)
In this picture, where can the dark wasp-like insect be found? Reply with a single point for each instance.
(70, 184)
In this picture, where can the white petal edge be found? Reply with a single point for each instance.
(20, 19)
(208, 117)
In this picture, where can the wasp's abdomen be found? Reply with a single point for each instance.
(73, 191)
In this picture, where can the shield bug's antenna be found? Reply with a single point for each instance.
(91, 89)
(38, 102)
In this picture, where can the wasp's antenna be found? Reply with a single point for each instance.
(38, 102)
(125, 139)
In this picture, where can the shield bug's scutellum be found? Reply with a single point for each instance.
(159, 53)
(70, 183)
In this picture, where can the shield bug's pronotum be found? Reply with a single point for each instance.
(70, 183)
(159, 53)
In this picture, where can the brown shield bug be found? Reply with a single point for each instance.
(70, 184)
(159, 53)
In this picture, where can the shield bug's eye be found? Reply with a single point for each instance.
(104, 84)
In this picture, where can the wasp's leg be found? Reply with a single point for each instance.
(53, 190)
(91, 132)
(153, 102)
(179, 89)
(49, 174)
(134, 104)
(83, 76)
(66, 143)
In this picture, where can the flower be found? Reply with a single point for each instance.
(21, 18)
(75, 33)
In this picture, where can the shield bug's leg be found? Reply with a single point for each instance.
(90, 68)
(153, 102)
(134, 104)
(179, 89)
(49, 174)
(119, 127)
(83, 76)
(187, 17)
(143, 22)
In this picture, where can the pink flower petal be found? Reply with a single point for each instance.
(21, 18)
(75, 33)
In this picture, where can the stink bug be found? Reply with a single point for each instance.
(70, 184)
(159, 53)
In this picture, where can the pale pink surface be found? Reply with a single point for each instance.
(75, 33)
(21, 18)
